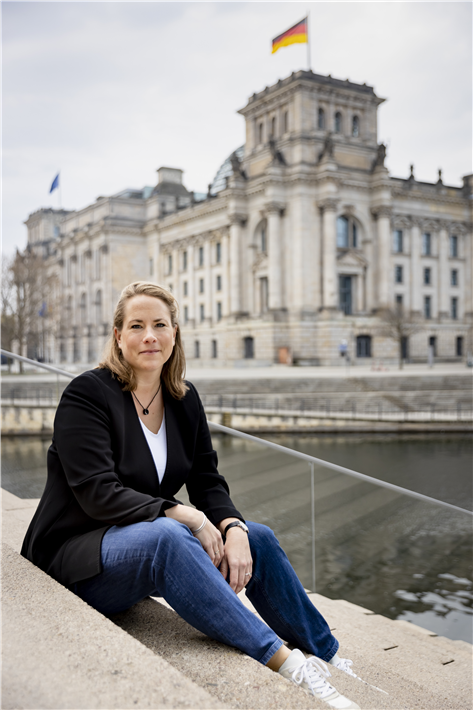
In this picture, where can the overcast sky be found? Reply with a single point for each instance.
(107, 92)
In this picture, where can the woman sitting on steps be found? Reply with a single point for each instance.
(127, 436)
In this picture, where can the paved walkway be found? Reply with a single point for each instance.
(61, 653)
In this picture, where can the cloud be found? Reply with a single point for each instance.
(108, 92)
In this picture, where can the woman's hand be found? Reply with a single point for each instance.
(209, 537)
(237, 559)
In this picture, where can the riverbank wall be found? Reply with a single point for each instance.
(275, 400)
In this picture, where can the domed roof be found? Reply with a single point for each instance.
(224, 171)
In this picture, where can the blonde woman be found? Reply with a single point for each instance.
(127, 436)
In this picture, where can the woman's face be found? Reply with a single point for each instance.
(147, 337)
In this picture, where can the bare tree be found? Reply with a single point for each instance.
(398, 324)
(8, 319)
(24, 302)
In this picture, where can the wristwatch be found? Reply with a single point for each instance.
(236, 523)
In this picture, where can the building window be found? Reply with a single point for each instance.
(184, 261)
(196, 349)
(201, 256)
(151, 267)
(399, 301)
(186, 314)
(184, 288)
(169, 263)
(347, 233)
(459, 346)
(249, 348)
(170, 288)
(214, 349)
(345, 294)
(397, 241)
(219, 282)
(98, 260)
(363, 346)
(355, 127)
(219, 311)
(260, 133)
(321, 119)
(427, 276)
(201, 285)
(398, 275)
(286, 122)
(263, 288)
(433, 345)
(454, 277)
(202, 312)
(98, 307)
(83, 309)
(338, 122)
(260, 239)
(218, 252)
(454, 246)
(427, 307)
(454, 308)
(426, 244)
(273, 127)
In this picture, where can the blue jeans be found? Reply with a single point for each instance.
(162, 558)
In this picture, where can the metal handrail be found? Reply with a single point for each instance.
(311, 460)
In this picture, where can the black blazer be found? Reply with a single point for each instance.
(101, 473)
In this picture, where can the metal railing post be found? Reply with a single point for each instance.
(312, 505)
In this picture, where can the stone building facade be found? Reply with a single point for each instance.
(303, 238)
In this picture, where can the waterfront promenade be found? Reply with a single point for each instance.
(60, 653)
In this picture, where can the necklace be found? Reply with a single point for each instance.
(146, 409)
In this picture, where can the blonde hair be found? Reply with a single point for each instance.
(173, 369)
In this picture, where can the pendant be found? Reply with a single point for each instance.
(145, 411)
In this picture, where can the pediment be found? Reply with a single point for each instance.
(351, 259)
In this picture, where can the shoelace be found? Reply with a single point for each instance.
(314, 672)
(345, 665)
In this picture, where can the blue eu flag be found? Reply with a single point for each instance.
(55, 183)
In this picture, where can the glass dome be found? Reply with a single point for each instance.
(224, 171)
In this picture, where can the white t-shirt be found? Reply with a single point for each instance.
(158, 447)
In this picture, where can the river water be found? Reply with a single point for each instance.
(386, 552)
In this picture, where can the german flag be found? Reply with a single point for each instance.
(298, 34)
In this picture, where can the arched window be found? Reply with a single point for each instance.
(273, 126)
(347, 233)
(98, 307)
(321, 119)
(363, 346)
(338, 122)
(260, 133)
(355, 126)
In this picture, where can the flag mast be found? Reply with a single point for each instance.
(308, 43)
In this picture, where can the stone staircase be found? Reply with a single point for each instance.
(61, 653)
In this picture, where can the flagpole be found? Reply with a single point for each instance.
(59, 191)
(308, 42)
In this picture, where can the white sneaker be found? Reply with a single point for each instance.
(343, 664)
(311, 673)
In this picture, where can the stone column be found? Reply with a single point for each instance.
(329, 254)
(192, 308)
(273, 210)
(234, 253)
(443, 271)
(416, 304)
(225, 293)
(382, 215)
